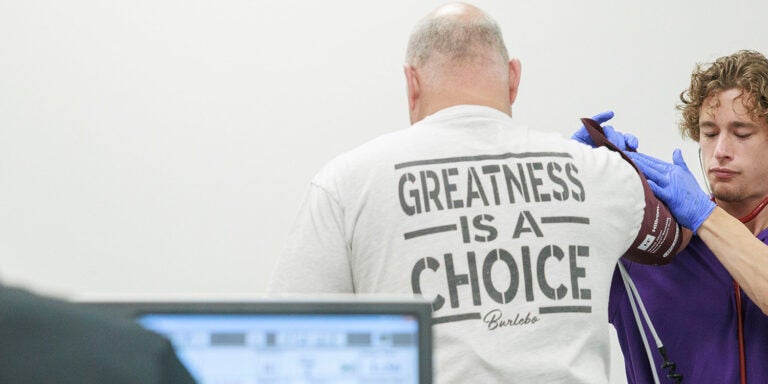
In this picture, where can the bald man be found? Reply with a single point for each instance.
(513, 233)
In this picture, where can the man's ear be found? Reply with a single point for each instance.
(414, 90)
(514, 79)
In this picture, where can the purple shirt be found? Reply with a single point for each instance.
(692, 304)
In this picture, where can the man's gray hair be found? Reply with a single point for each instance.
(460, 41)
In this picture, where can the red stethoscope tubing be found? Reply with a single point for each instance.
(742, 353)
(737, 292)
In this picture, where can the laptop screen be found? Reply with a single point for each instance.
(341, 341)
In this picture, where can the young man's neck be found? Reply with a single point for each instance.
(745, 208)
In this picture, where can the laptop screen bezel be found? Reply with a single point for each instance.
(418, 308)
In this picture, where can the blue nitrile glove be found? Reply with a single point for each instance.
(624, 141)
(675, 186)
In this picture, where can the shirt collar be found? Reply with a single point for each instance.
(466, 111)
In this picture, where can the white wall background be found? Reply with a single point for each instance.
(163, 146)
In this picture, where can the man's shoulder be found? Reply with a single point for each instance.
(381, 151)
(421, 142)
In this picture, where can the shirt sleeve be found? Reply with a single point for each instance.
(315, 259)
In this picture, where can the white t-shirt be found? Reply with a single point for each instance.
(513, 233)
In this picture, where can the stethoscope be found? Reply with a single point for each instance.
(736, 289)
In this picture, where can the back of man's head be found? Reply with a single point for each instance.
(456, 35)
(457, 55)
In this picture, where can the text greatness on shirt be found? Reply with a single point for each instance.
(540, 270)
(493, 184)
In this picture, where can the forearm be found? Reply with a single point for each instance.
(741, 253)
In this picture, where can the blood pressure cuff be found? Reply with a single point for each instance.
(660, 236)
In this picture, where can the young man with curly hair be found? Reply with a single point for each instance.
(709, 306)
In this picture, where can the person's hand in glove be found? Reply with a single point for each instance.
(675, 186)
(624, 141)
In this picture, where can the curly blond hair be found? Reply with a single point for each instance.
(745, 70)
